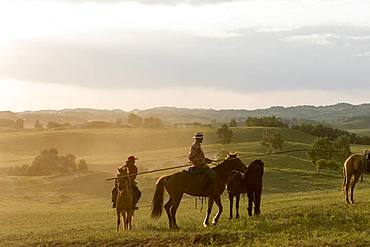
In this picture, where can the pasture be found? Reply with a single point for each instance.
(299, 207)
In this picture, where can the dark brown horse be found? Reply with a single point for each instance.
(249, 182)
(182, 182)
(354, 166)
(124, 201)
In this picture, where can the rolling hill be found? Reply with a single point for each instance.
(345, 115)
(299, 207)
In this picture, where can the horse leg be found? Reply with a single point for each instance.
(231, 199)
(346, 188)
(168, 206)
(257, 202)
(344, 179)
(176, 202)
(118, 219)
(219, 212)
(237, 206)
(250, 202)
(125, 219)
(209, 211)
(129, 219)
(353, 184)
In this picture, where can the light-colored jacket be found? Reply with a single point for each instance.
(196, 155)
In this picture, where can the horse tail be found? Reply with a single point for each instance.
(157, 203)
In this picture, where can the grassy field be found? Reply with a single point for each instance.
(360, 132)
(299, 207)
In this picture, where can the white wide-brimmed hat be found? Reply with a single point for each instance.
(198, 135)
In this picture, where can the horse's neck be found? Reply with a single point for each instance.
(223, 172)
(125, 189)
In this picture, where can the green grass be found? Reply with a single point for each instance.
(361, 132)
(299, 207)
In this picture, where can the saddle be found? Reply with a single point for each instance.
(200, 183)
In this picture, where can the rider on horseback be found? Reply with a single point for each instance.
(199, 161)
(132, 172)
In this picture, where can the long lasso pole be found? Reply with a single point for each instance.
(251, 156)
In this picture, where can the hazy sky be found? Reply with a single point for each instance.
(203, 54)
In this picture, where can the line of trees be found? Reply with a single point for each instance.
(14, 124)
(331, 133)
(267, 121)
(148, 122)
(225, 134)
(132, 120)
(272, 140)
(49, 162)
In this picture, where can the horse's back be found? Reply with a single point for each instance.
(353, 162)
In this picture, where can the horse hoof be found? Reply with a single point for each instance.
(205, 224)
(237, 217)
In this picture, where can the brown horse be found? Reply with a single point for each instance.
(124, 201)
(182, 182)
(355, 165)
(249, 182)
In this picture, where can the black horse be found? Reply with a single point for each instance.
(250, 183)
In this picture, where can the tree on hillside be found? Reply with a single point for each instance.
(233, 123)
(45, 163)
(322, 148)
(265, 122)
(49, 162)
(272, 139)
(82, 165)
(38, 125)
(53, 125)
(118, 122)
(225, 134)
(152, 122)
(134, 120)
(19, 123)
(342, 146)
(325, 153)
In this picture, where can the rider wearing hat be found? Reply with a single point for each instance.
(196, 155)
(132, 172)
(199, 161)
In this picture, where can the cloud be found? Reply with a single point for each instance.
(251, 60)
(365, 54)
(316, 39)
(156, 2)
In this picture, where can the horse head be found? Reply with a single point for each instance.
(231, 163)
(255, 171)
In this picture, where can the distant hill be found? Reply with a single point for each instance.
(74, 116)
(341, 115)
(330, 113)
(354, 123)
